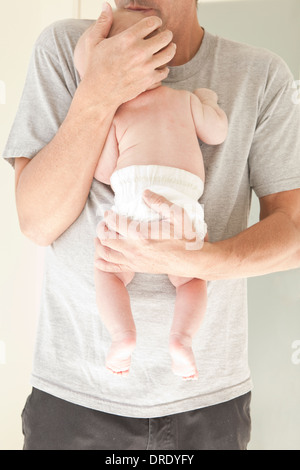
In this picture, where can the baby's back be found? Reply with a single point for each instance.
(157, 128)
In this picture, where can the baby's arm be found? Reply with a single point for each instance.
(210, 120)
(108, 158)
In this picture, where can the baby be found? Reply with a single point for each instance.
(152, 144)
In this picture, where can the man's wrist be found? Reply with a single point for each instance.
(211, 263)
(98, 106)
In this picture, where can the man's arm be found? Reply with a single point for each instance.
(271, 245)
(52, 188)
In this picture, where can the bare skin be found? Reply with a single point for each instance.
(159, 127)
(52, 188)
(271, 245)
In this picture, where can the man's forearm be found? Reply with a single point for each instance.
(269, 246)
(54, 186)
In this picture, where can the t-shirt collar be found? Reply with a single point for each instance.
(185, 71)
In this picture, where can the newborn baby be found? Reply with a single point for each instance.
(153, 144)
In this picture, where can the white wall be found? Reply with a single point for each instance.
(20, 262)
(274, 301)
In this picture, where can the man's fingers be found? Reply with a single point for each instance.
(179, 223)
(167, 209)
(160, 41)
(158, 203)
(163, 57)
(124, 227)
(103, 258)
(160, 47)
(173, 222)
(146, 26)
(102, 26)
(116, 223)
(105, 233)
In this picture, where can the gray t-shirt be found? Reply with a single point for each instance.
(262, 152)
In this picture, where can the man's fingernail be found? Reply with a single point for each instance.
(105, 7)
(107, 214)
(151, 21)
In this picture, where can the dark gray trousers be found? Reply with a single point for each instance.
(50, 423)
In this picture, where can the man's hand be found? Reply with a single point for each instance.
(119, 68)
(160, 247)
(269, 246)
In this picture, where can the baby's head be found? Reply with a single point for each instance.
(123, 19)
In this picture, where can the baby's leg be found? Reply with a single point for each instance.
(114, 307)
(190, 307)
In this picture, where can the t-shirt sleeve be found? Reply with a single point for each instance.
(274, 160)
(48, 91)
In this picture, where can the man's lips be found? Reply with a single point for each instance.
(138, 8)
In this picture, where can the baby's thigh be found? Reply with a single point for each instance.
(126, 278)
(109, 281)
(178, 281)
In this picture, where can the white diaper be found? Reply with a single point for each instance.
(178, 186)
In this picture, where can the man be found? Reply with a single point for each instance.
(75, 403)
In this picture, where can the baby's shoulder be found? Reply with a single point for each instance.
(170, 95)
(173, 91)
(161, 97)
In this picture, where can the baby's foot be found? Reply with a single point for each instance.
(119, 356)
(183, 360)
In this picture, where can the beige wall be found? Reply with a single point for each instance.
(20, 261)
(274, 300)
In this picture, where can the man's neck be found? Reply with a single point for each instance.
(188, 46)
